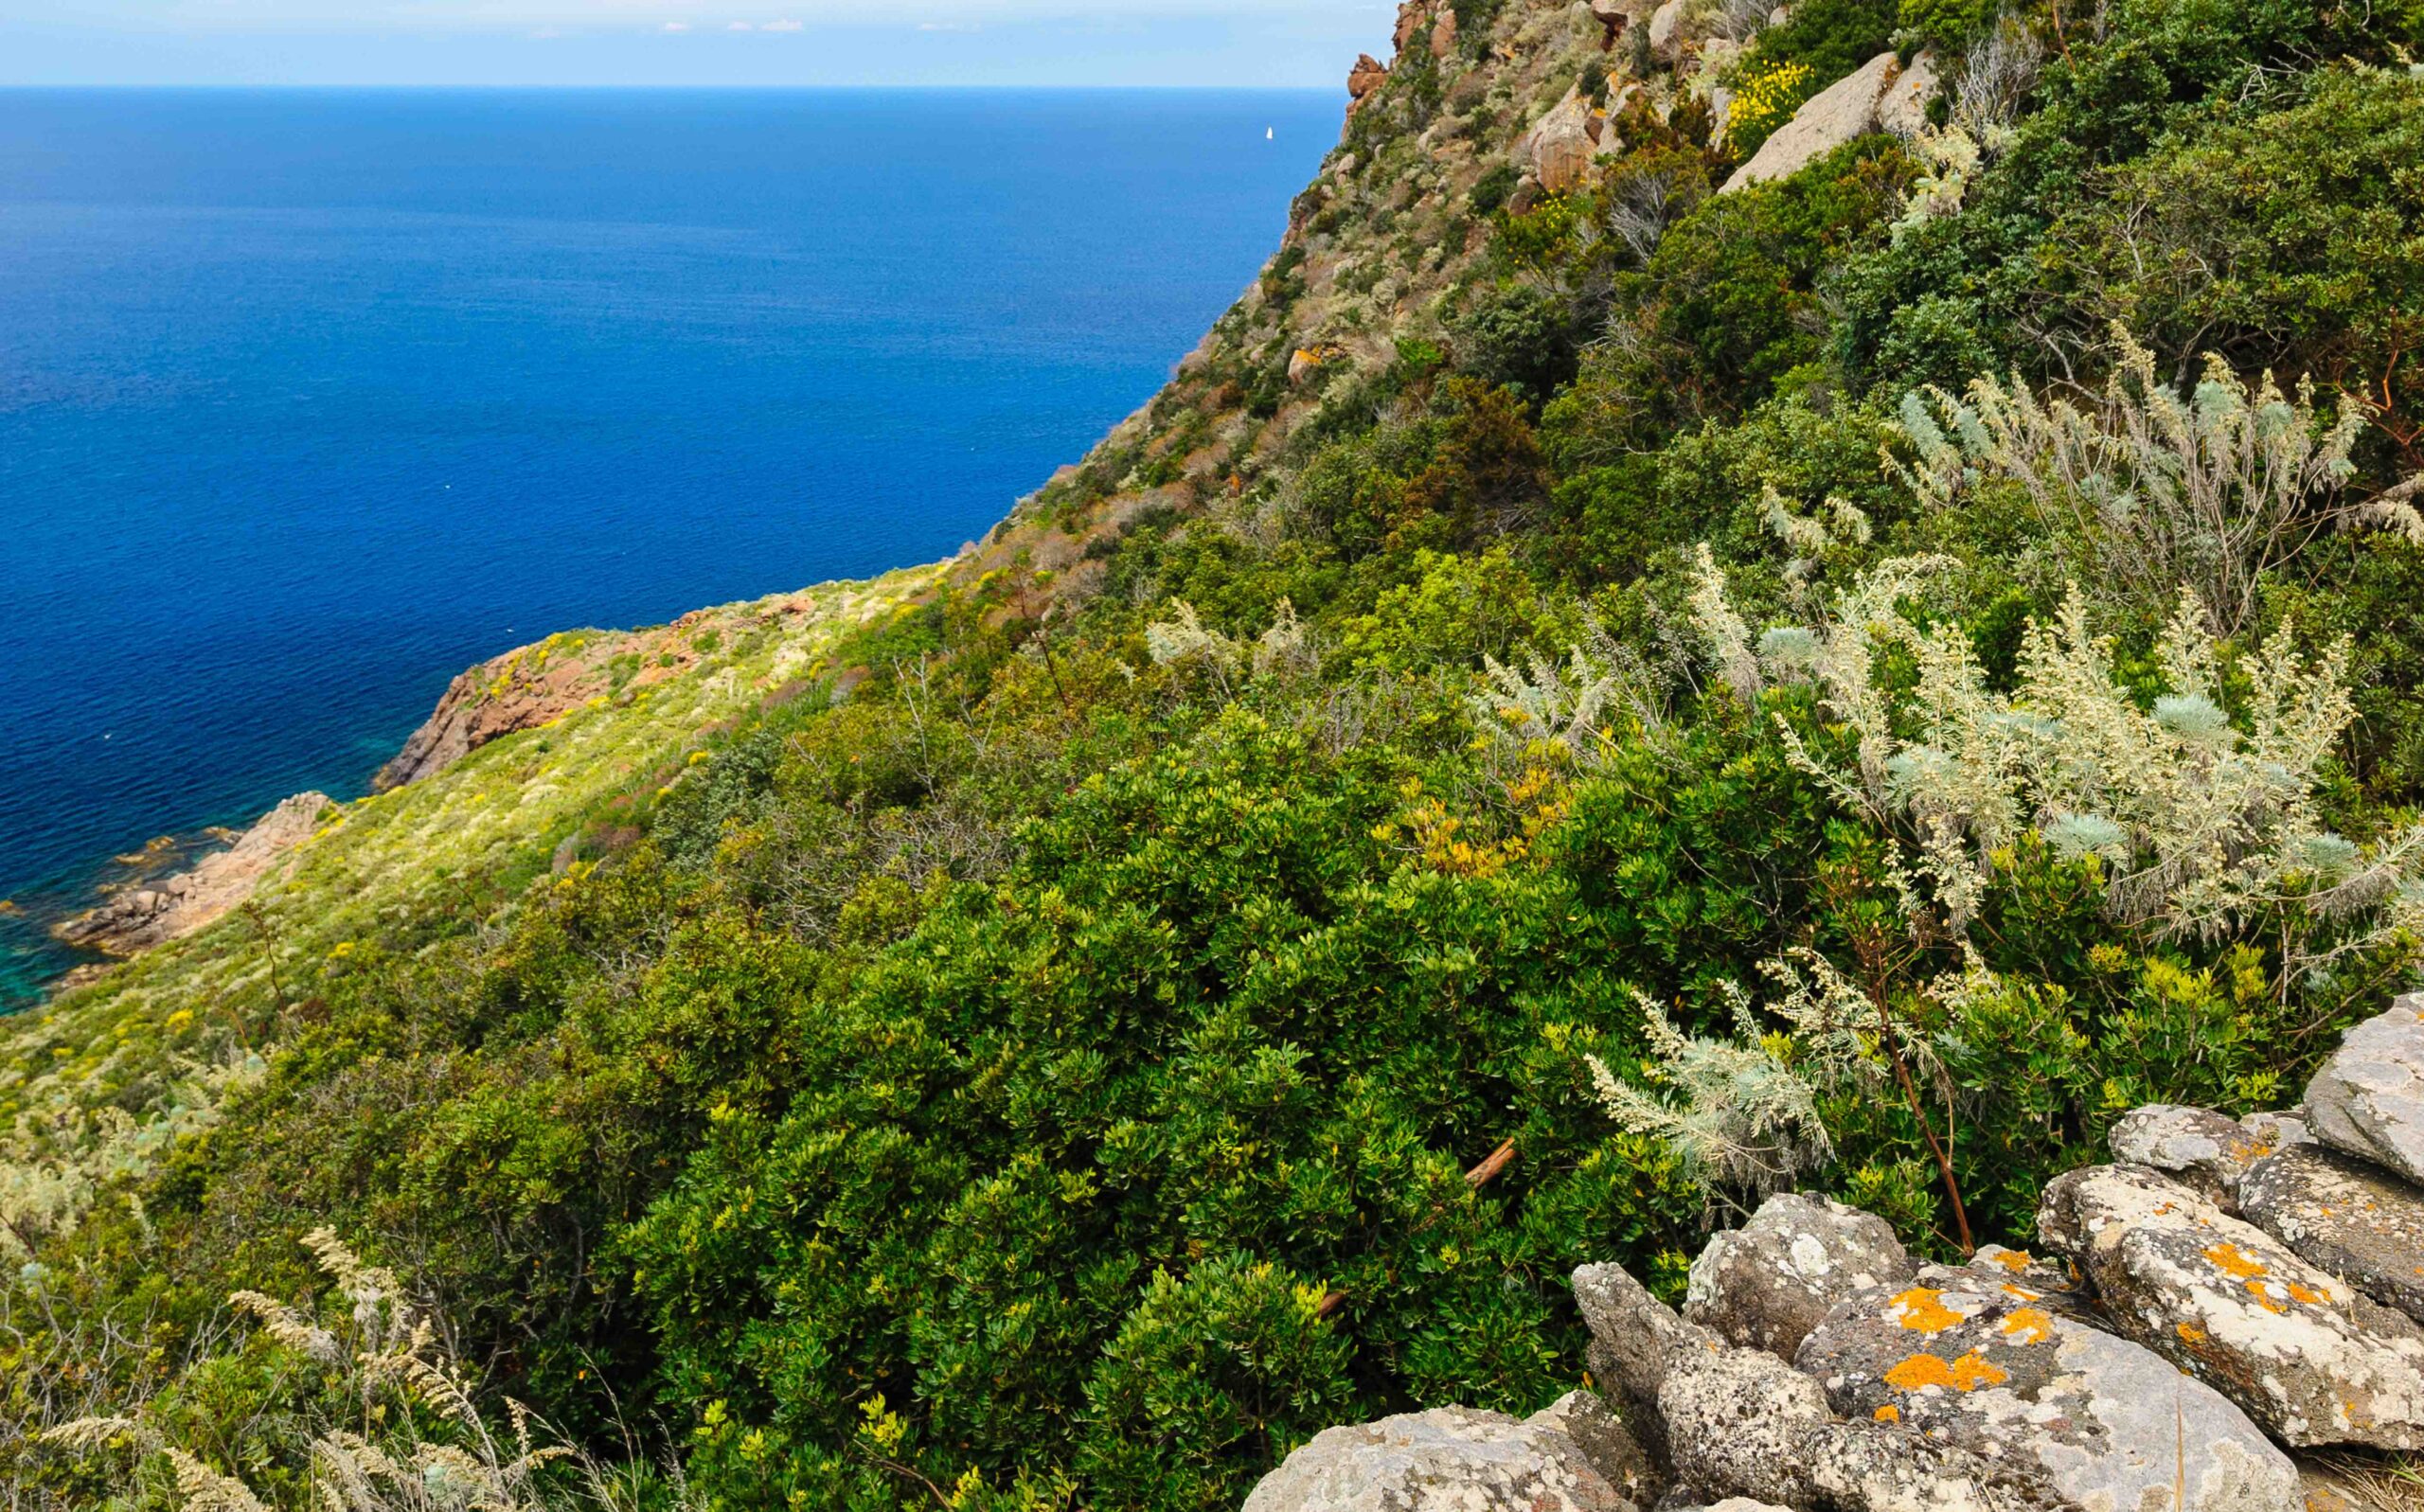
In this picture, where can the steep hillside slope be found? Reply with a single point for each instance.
(1737, 607)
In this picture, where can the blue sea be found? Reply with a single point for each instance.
(309, 399)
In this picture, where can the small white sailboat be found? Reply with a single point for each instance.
(1266, 133)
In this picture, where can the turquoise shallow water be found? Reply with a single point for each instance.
(309, 400)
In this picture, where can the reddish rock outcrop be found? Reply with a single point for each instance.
(1365, 77)
(1443, 33)
(524, 689)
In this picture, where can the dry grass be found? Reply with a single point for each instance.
(2368, 1483)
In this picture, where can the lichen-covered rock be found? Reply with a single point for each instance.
(1449, 1459)
(2306, 1355)
(1633, 1335)
(1740, 1422)
(1988, 1365)
(1765, 1285)
(1735, 1422)
(1872, 1467)
(2279, 1129)
(1842, 111)
(2057, 1283)
(1618, 1457)
(2359, 1224)
(1745, 1424)
(2368, 1098)
(2197, 1146)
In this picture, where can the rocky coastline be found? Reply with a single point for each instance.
(523, 689)
(155, 912)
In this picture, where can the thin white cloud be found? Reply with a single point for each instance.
(576, 16)
(780, 26)
(677, 26)
(739, 25)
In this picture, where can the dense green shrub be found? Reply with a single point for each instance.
(2293, 238)
(1830, 37)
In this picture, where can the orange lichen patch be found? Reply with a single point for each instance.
(1967, 1372)
(2013, 1259)
(2022, 1292)
(2028, 1325)
(2309, 1294)
(1888, 1414)
(2267, 1295)
(2234, 1262)
(2189, 1332)
(1918, 1311)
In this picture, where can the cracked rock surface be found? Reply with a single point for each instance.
(1737, 1422)
(1765, 1285)
(2368, 1099)
(2200, 1147)
(2362, 1225)
(1986, 1365)
(2305, 1355)
(1449, 1459)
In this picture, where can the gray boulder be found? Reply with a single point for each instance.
(2197, 1146)
(1742, 1423)
(1666, 31)
(1842, 112)
(1612, 1450)
(2347, 1217)
(1632, 1337)
(1985, 1364)
(1745, 1424)
(2308, 1357)
(1902, 105)
(1765, 1285)
(2368, 1098)
(1449, 1459)
(1871, 1467)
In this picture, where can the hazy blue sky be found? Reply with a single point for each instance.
(687, 42)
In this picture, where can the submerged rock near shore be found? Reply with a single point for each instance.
(154, 913)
